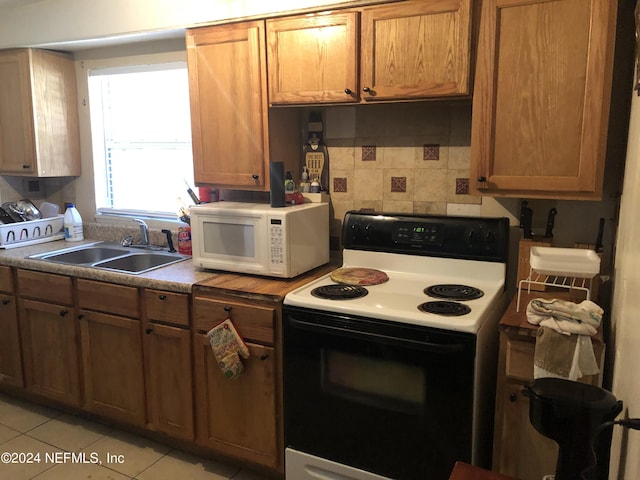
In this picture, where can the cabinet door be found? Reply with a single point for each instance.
(524, 453)
(415, 49)
(313, 59)
(227, 85)
(113, 366)
(167, 307)
(237, 417)
(254, 322)
(6, 280)
(47, 287)
(168, 378)
(39, 133)
(50, 350)
(10, 360)
(17, 148)
(108, 298)
(541, 99)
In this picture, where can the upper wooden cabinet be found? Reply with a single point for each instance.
(541, 97)
(413, 49)
(229, 114)
(38, 114)
(313, 58)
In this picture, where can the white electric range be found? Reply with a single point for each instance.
(397, 380)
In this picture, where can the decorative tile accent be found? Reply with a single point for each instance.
(462, 186)
(340, 185)
(398, 184)
(368, 153)
(431, 151)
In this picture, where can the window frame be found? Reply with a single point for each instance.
(82, 188)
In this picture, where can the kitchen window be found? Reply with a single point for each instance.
(141, 136)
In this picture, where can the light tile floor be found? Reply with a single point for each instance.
(27, 429)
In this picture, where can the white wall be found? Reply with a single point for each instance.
(625, 457)
(38, 22)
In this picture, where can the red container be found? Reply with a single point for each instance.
(184, 240)
(205, 194)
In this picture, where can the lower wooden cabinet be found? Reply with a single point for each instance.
(169, 380)
(50, 350)
(49, 336)
(237, 417)
(10, 357)
(113, 367)
(141, 356)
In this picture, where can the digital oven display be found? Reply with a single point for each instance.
(419, 234)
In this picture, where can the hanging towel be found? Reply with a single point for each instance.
(563, 356)
(564, 316)
(563, 343)
(228, 347)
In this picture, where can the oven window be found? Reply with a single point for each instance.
(229, 239)
(379, 382)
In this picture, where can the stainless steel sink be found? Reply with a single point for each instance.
(86, 255)
(139, 262)
(111, 256)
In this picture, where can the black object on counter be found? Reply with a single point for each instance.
(192, 194)
(523, 207)
(550, 222)
(527, 221)
(599, 248)
(276, 184)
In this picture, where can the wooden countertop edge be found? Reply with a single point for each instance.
(181, 277)
(273, 289)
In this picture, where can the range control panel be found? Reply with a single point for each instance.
(474, 238)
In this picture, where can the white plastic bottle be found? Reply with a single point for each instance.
(72, 224)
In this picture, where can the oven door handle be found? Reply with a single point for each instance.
(441, 348)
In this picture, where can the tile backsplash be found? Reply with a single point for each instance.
(405, 158)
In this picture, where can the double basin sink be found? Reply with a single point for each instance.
(113, 257)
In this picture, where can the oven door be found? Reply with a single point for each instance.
(383, 397)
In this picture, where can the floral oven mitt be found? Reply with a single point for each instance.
(228, 347)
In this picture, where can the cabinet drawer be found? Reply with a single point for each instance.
(6, 280)
(253, 322)
(519, 363)
(45, 286)
(167, 307)
(109, 298)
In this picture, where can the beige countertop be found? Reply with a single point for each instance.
(178, 277)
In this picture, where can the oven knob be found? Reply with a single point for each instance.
(368, 231)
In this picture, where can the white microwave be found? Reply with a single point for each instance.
(258, 239)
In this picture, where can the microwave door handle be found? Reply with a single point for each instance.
(442, 348)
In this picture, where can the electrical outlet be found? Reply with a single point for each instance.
(33, 186)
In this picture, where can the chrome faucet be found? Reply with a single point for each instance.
(144, 231)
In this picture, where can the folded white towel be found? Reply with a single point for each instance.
(564, 316)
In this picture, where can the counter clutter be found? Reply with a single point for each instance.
(59, 324)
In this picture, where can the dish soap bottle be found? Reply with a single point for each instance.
(72, 224)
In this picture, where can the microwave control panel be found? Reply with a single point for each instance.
(276, 243)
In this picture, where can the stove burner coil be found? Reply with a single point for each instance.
(339, 291)
(454, 292)
(449, 309)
